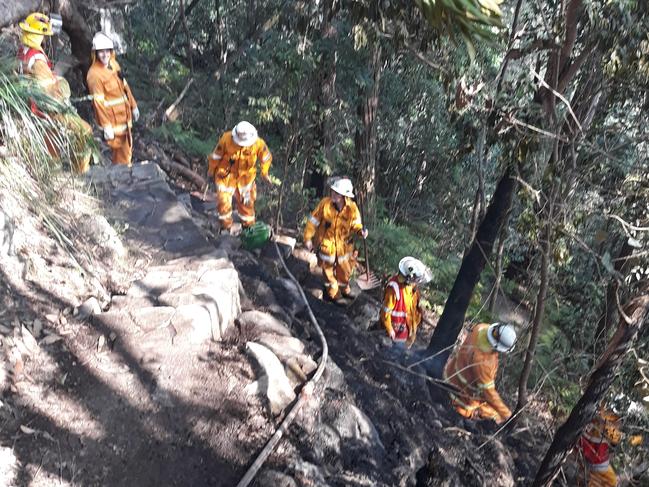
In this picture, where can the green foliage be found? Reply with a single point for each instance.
(184, 138)
(282, 79)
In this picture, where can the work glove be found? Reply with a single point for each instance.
(109, 133)
(308, 245)
(392, 334)
(136, 114)
(364, 233)
(245, 198)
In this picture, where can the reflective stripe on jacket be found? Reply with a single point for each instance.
(234, 166)
(331, 230)
(400, 309)
(35, 64)
(472, 369)
(112, 98)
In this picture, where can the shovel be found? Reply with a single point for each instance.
(367, 280)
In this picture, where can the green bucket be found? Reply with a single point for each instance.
(255, 236)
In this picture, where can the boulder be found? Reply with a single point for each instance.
(266, 478)
(89, 308)
(308, 474)
(254, 323)
(284, 347)
(364, 311)
(272, 383)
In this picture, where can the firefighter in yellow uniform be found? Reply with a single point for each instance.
(401, 314)
(34, 63)
(114, 104)
(233, 167)
(329, 229)
(472, 370)
(594, 445)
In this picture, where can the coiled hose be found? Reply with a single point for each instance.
(305, 393)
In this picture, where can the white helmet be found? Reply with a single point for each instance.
(102, 41)
(344, 187)
(502, 337)
(414, 271)
(244, 134)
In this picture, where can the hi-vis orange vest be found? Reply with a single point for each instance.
(35, 63)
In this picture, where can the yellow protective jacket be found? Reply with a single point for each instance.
(33, 62)
(112, 100)
(233, 166)
(394, 292)
(331, 230)
(472, 370)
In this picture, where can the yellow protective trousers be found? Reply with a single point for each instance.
(122, 148)
(224, 195)
(336, 272)
(472, 409)
(605, 478)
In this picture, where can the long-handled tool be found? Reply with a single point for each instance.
(368, 280)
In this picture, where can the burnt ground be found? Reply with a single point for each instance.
(80, 411)
(412, 416)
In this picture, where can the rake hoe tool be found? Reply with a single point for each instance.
(367, 280)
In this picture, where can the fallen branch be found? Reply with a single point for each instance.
(170, 166)
(175, 104)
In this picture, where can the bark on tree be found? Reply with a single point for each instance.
(76, 27)
(327, 94)
(365, 138)
(637, 311)
(502, 238)
(539, 310)
(188, 46)
(452, 319)
(12, 11)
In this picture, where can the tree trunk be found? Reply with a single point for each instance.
(601, 379)
(188, 46)
(539, 310)
(366, 133)
(502, 238)
(452, 319)
(326, 79)
(475, 218)
(76, 27)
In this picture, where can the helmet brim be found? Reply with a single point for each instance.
(347, 194)
(496, 344)
(27, 28)
(243, 143)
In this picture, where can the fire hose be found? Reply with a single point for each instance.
(305, 393)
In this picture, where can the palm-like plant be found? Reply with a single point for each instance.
(471, 19)
(28, 169)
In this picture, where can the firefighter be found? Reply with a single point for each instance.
(600, 434)
(329, 229)
(233, 168)
(34, 63)
(472, 369)
(114, 104)
(401, 314)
